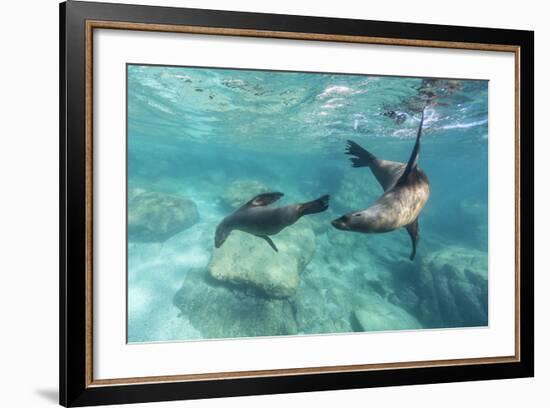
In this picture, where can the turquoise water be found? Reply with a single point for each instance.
(202, 142)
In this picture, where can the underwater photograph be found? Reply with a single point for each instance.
(275, 203)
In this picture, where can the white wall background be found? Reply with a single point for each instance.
(29, 204)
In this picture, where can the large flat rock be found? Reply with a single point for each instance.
(220, 311)
(248, 261)
(445, 288)
(155, 217)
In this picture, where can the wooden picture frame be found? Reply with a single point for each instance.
(78, 20)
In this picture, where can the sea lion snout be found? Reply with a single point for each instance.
(341, 223)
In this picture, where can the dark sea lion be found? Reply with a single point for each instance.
(406, 191)
(257, 218)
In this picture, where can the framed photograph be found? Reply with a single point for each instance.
(256, 203)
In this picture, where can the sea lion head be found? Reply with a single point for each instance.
(358, 221)
(222, 232)
(346, 222)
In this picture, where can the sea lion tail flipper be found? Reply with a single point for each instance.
(413, 160)
(413, 231)
(315, 206)
(363, 157)
(270, 242)
(263, 199)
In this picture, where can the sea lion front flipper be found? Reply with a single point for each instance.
(263, 199)
(363, 158)
(413, 160)
(269, 241)
(385, 171)
(413, 231)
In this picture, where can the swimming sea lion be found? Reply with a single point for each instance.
(256, 218)
(406, 191)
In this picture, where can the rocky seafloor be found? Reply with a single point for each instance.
(321, 281)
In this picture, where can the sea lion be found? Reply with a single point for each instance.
(406, 191)
(257, 218)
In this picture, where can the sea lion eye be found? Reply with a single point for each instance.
(357, 215)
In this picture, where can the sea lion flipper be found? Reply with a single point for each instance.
(363, 158)
(413, 160)
(385, 171)
(269, 241)
(315, 206)
(413, 231)
(263, 199)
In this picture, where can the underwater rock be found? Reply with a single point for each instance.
(447, 289)
(220, 311)
(382, 315)
(456, 280)
(347, 302)
(248, 261)
(155, 217)
(240, 191)
(331, 290)
(462, 259)
(340, 248)
(321, 304)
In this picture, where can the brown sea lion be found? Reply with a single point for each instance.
(406, 191)
(257, 218)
